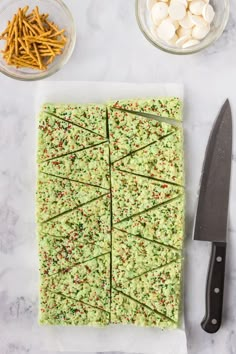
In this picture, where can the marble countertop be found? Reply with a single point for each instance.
(110, 47)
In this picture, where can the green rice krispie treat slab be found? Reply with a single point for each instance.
(133, 256)
(91, 117)
(57, 254)
(168, 107)
(133, 194)
(57, 195)
(159, 289)
(74, 214)
(56, 309)
(129, 132)
(88, 282)
(87, 166)
(164, 224)
(57, 137)
(90, 223)
(162, 160)
(126, 310)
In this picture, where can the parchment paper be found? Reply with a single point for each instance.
(128, 339)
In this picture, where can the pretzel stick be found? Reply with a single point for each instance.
(32, 40)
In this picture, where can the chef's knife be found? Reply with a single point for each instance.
(212, 213)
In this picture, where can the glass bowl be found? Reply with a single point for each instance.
(218, 25)
(59, 14)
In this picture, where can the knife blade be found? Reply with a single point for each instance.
(212, 213)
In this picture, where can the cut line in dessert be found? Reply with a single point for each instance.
(149, 209)
(74, 180)
(147, 239)
(149, 308)
(151, 178)
(78, 263)
(82, 302)
(72, 209)
(73, 123)
(73, 151)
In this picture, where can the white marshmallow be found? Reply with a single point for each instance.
(181, 32)
(200, 32)
(173, 40)
(182, 40)
(184, 2)
(159, 11)
(150, 4)
(196, 7)
(190, 43)
(156, 22)
(197, 20)
(186, 21)
(208, 13)
(177, 10)
(175, 23)
(166, 30)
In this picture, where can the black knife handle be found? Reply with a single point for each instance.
(215, 288)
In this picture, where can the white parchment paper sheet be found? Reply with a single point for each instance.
(116, 337)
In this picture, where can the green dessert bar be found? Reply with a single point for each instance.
(158, 289)
(126, 310)
(168, 107)
(57, 254)
(87, 166)
(56, 309)
(163, 224)
(133, 194)
(88, 281)
(57, 195)
(57, 137)
(75, 237)
(161, 160)
(133, 256)
(89, 222)
(91, 117)
(129, 132)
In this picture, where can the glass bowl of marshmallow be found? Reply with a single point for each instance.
(182, 26)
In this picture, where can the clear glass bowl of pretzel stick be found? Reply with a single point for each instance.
(24, 57)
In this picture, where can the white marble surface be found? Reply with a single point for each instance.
(111, 48)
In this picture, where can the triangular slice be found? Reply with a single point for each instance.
(169, 107)
(57, 254)
(92, 117)
(88, 166)
(133, 256)
(160, 290)
(90, 223)
(57, 137)
(57, 195)
(125, 310)
(129, 132)
(56, 309)
(164, 224)
(133, 194)
(162, 160)
(88, 282)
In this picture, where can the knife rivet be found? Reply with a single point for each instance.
(219, 259)
(214, 321)
(217, 290)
